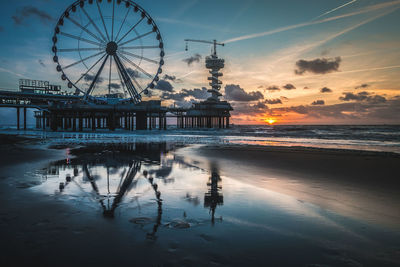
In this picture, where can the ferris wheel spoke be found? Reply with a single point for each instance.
(137, 84)
(131, 29)
(122, 82)
(79, 49)
(136, 38)
(122, 24)
(109, 77)
(139, 57)
(102, 19)
(84, 29)
(97, 62)
(140, 47)
(112, 26)
(80, 38)
(91, 87)
(135, 81)
(136, 66)
(129, 85)
(82, 60)
(94, 25)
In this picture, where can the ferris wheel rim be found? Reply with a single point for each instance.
(101, 42)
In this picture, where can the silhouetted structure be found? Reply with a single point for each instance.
(112, 54)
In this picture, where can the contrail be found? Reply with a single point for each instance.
(355, 27)
(333, 36)
(330, 11)
(13, 73)
(371, 69)
(295, 26)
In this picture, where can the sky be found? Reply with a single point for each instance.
(287, 62)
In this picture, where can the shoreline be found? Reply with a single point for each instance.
(88, 138)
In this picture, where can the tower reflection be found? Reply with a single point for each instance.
(213, 197)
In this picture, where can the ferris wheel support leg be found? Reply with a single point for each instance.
(17, 118)
(73, 122)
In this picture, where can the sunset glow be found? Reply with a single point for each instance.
(270, 121)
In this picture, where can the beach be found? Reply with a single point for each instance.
(219, 205)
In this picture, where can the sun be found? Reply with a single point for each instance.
(270, 121)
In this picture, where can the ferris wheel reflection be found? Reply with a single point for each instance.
(112, 176)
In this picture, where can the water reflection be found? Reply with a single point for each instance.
(126, 180)
(213, 197)
(113, 173)
(157, 190)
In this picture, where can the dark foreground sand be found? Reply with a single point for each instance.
(39, 231)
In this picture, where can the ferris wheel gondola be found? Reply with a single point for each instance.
(108, 49)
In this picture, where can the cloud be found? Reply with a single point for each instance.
(195, 94)
(272, 88)
(306, 87)
(363, 96)
(376, 99)
(348, 112)
(133, 73)
(115, 85)
(357, 97)
(235, 93)
(289, 86)
(88, 78)
(318, 102)
(194, 58)
(172, 78)
(284, 98)
(273, 101)
(30, 11)
(249, 108)
(41, 63)
(318, 65)
(173, 96)
(326, 90)
(168, 77)
(364, 85)
(388, 112)
(198, 94)
(164, 85)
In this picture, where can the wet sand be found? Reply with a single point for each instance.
(45, 230)
(360, 184)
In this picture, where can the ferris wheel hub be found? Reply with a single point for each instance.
(112, 48)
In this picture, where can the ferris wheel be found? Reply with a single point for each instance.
(108, 49)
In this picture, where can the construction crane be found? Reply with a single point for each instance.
(214, 64)
(214, 42)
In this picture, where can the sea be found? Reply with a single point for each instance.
(378, 138)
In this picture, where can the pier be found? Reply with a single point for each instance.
(114, 102)
(62, 112)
